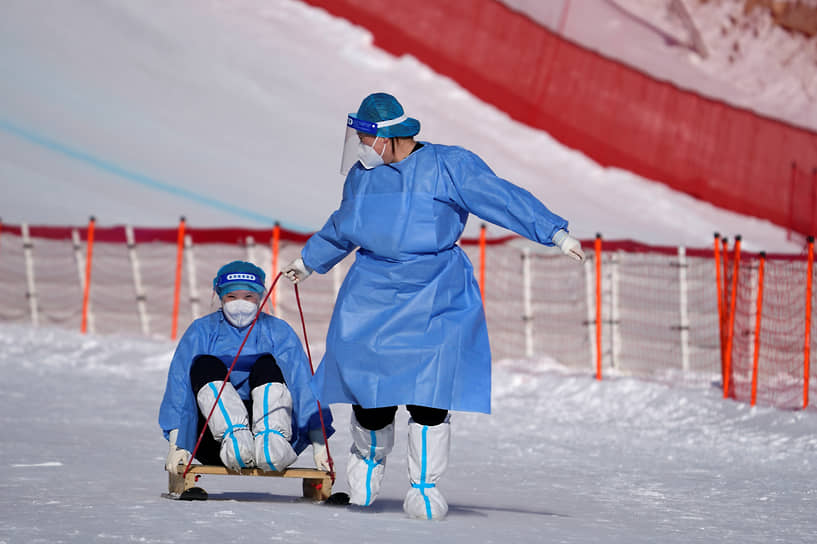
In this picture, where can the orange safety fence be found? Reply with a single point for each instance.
(276, 240)
(482, 237)
(86, 284)
(630, 310)
(598, 261)
(730, 326)
(807, 335)
(174, 326)
(758, 321)
(717, 252)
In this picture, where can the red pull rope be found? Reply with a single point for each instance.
(312, 369)
(227, 377)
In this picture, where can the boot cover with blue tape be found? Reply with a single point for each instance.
(367, 461)
(428, 448)
(229, 424)
(272, 426)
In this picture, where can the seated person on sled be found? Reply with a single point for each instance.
(266, 414)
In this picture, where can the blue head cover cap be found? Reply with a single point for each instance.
(382, 115)
(238, 275)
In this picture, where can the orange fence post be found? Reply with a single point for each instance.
(720, 294)
(89, 252)
(814, 199)
(482, 230)
(174, 324)
(725, 290)
(276, 236)
(757, 325)
(730, 330)
(598, 305)
(807, 347)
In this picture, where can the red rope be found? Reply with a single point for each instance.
(312, 369)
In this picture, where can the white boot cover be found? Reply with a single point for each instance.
(367, 461)
(427, 459)
(229, 424)
(272, 426)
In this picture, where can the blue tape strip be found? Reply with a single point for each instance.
(136, 177)
(267, 455)
(230, 426)
(372, 463)
(423, 471)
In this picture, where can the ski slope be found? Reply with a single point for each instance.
(232, 114)
(562, 458)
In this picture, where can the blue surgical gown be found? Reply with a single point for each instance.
(408, 325)
(214, 335)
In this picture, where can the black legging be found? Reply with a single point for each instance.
(206, 369)
(375, 419)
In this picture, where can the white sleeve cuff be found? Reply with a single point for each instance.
(559, 237)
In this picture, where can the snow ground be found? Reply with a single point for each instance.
(230, 114)
(563, 458)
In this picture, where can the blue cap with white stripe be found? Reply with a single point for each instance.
(380, 114)
(239, 275)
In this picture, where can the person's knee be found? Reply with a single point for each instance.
(374, 419)
(427, 416)
(206, 369)
(265, 370)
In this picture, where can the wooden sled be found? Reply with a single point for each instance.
(317, 484)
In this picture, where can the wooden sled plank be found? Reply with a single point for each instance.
(317, 484)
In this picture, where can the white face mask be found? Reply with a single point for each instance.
(368, 157)
(240, 312)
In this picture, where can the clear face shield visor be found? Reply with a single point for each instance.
(353, 147)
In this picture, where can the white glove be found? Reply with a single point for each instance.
(176, 456)
(296, 271)
(569, 245)
(319, 451)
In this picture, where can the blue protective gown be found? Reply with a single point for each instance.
(408, 325)
(214, 335)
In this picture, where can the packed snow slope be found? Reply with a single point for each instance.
(563, 458)
(232, 114)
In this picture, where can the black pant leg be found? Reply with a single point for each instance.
(427, 416)
(374, 419)
(265, 370)
(206, 369)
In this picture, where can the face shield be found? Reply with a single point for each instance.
(352, 146)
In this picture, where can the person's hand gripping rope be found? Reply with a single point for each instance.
(296, 271)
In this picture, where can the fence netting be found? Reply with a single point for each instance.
(658, 305)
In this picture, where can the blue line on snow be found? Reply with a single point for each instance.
(128, 175)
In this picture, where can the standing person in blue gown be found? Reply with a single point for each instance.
(408, 327)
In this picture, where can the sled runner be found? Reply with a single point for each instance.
(317, 484)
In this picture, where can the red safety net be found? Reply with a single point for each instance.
(613, 113)
(658, 305)
(780, 374)
(803, 198)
